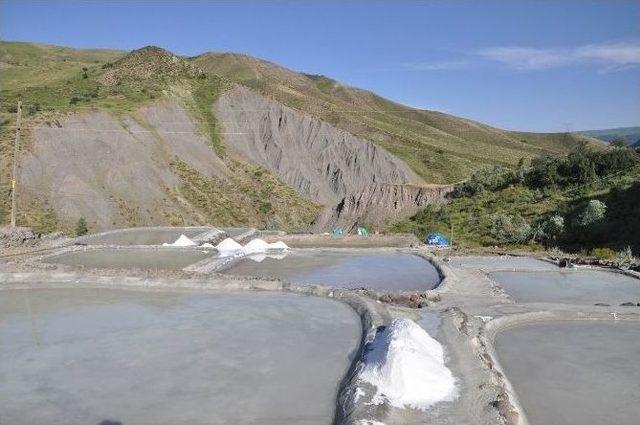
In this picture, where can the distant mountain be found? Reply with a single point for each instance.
(630, 135)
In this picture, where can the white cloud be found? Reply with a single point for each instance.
(613, 56)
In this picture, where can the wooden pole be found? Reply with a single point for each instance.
(16, 149)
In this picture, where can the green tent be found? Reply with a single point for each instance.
(362, 231)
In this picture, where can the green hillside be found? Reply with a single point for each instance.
(439, 147)
(588, 199)
(630, 135)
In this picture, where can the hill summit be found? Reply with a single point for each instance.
(150, 62)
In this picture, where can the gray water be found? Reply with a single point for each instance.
(574, 373)
(143, 236)
(376, 270)
(502, 262)
(570, 287)
(143, 258)
(84, 356)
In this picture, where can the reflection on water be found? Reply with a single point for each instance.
(375, 270)
(574, 373)
(95, 355)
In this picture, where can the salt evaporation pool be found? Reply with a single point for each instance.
(143, 236)
(569, 287)
(574, 373)
(124, 258)
(375, 270)
(502, 262)
(84, 356)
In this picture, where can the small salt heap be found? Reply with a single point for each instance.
(279, 245)
(181, 241)
(228, 247)
(256, 245)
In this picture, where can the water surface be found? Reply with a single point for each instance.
(375, 270)
(83, 356)
(570, 286)
(574, 373)
(164, 258)
(502, 262)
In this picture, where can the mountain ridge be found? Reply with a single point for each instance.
(62, 86)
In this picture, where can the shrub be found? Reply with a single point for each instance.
(33, 108)
(81, 227)
(488, 178)
(626, 256)
(510, 229)
(602, 253)
(550, 229)
(593, 212)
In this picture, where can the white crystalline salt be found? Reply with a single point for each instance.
(183, 241)
(278, 245)
(228, 245)
(256, 245)
(407, 367)
(206, 245)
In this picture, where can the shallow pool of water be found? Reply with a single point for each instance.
(502, 262)
(142, 258)
(570, 287)
(574, 373)
(84, 356)
(143, 236)
(375, 270)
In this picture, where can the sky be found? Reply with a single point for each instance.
(522, 65)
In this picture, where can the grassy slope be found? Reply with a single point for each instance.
(54, 78)
(441, 148)
(471, 216)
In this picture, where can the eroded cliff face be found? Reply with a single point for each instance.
(353, 178)
(151, 167)
(114, 171)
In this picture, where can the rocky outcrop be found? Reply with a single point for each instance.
(355, 179)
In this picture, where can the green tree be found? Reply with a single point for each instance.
(81, 227)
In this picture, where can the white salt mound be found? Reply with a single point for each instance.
(228, 245)
(278, 245)
(182, 241)
(407, 367)
(206, 245)
(256, 245)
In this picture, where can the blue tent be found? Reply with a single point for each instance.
(437, 239)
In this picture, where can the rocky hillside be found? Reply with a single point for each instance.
(148, 137)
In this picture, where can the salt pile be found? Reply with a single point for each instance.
(228, 245)
(181, 241)
(279, 245)
(256, 245)
(407, 367)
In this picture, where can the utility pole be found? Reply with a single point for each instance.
(16, 149)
